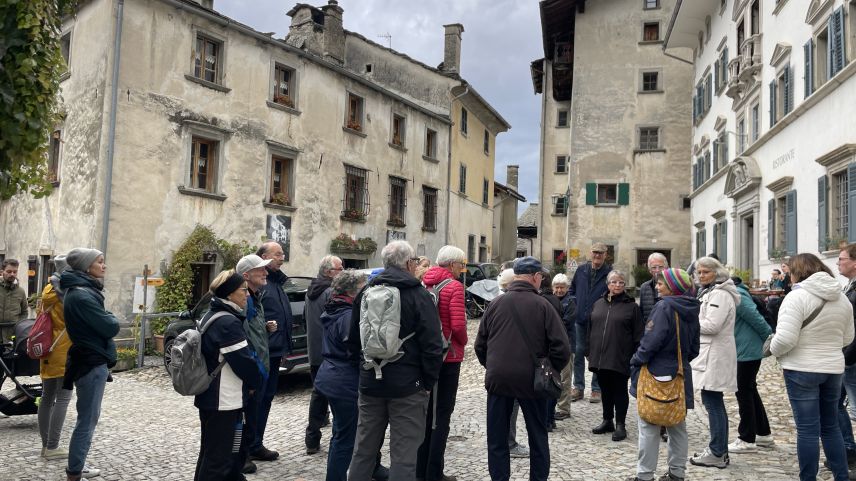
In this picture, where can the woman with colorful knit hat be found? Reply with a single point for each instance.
(658, 349)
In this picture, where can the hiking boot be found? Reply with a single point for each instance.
(313, 449)
(595, 397)
(707, 459)
(58, 453)
(561, 415)
(264, 454)
(381, 473)
(620, 433)
(741, 446)
(551, 426)
(89, 472)
(519, 451)
(664, 435)
(765, 441)
(447, 478)
(669, 477)
(249, 467)
(576, 394)
(605, 427)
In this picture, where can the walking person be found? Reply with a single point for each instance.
(587, 286)
(316, 298)
(616, 328)
(509, 369)
(648, 295)
(91, 329)
(815, 322)
(451, 263)
(560, 286)
(715, 368)
(515, 449)
(750, 332)
(658, 350)
(55, 399)
(13, 300)
(221, 405)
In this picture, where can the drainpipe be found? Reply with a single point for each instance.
(541, 194)
(111, 136)
(449, 169)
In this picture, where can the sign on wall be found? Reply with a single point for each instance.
(279, 229)
(394, 235)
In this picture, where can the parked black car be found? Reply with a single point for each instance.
(297, 361)
(478, 272)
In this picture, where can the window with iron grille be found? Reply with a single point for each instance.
(649, 138)
(354, 117)
(462, 182)
(203, 164)
(207, 59)
(485, 191)
(355, 204)
(651, 31)
(283, 85)
(53, 156)
(397, 201)
(397, 130)
(840, 207)
(280, 180)
(429, 212)
(430, 144)
(561, 164)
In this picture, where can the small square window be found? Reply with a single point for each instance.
(561, 164)
(207, 59)
(607, 194)
(651, 31)
(203, 164)
(562, 118)
(649, 138)
(398, 132)
(560, 205)
(649, 4)
(354, 117)
(430, 144)
(65, 47)
(650, 81)
(283, 85)
(281, 180)
(464, 121)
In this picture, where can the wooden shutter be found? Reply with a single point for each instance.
(695, 107)
(836, 41)
(591, 193)
(703, 243)
(773, 103)
(787, 95)
(716, 75)
(715, 238)
(723, 242)
(724, 67)
(724, 159)
(809, 69)
(851, 203)
(715, 149)
(623, 194)
(791, 222)
(709, 85)
(771, 225)
(822, 213)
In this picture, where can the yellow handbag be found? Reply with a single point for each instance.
(662, 403)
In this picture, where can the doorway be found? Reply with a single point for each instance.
(747, 243)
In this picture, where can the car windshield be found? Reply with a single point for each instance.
(491, 270)
(297, 284)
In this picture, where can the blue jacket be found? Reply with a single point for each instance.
(277, 308)
(750, 328)
(659, 348)
(339, 374)
(587, 287)
(569, 317)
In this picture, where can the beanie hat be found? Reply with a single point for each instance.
(81, 258)
(60, 263)
(677, 280)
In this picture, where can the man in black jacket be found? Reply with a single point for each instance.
(510, 366)
(648, 295)
(847, 268)
(400, 397)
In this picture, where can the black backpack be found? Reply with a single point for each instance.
(765, 313)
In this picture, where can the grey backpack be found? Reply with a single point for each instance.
(380, 323)
(187, 368)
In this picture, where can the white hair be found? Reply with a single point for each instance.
(616, 273)
(505, 278)
(714, 265)
(396, 254)
(560, 279)
(327, 263)
(658, 256)
(449, 254)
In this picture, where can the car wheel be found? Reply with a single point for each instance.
(167, 347)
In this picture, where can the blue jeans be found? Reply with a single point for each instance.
(264, 404)
(814, 401)
(580, 360)
(850, 385)
(345, 414)
(845, 425)
(718, 420)
(90, 391)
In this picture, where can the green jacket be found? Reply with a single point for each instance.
(13, 303)
(254, 327)
(87, 323)
(750, 328)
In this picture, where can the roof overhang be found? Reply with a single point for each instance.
(476, 104)
(557, 20)
(497, 187)
(687, 21)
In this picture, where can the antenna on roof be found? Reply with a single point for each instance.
(388, 38)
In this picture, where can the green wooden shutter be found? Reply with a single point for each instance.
(715, 238)
(623, 194)
(822, 213)
(723, 242)
(715, 149)
(771, 225)
(791, 222)
(724, 65)
(725, 159)
(709, 91)
(836, 41)
(787, 95)
(591, 193)
(809, 69)
(773, 103)
(851, 203)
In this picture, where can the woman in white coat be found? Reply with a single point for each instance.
(815, 322)
(715, 368)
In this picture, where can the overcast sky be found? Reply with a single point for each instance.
(501, 38)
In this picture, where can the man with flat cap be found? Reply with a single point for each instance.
(510, 367)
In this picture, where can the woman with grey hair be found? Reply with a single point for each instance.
(715, 368)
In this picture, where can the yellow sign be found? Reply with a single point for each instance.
(574, 253)
(154, 281)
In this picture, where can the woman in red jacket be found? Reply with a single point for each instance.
(453, 318)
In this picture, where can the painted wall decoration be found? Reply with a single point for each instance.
(279, 229)
(394, 235)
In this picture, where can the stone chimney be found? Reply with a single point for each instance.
(307, 28)
(334, 33)
(452, 48)
(511, 176)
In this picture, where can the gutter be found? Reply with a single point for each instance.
(111, 136)
(543, 168)
(449, 166)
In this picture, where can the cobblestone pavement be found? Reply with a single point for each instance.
(148, 432)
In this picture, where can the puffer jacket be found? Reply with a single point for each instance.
(616, 328)
(817, 347)
(53, 366)
(715, 368)
(648, 296)
(452, 310)
(750, 328)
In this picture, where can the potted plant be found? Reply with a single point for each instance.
(353, 214)
(776, 254)
(396, 139)
(354, 125)
(126, 359)
(158, 327)
(280, 198)
(395, 220)
(343, 243)
(283, 100)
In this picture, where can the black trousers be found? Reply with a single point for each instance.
(318, 408)
(220, 455)
(614, 396)
(753, 416)
(429, 460)
(498, 419)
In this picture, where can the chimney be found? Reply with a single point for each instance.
(334, 34)
(307, 28)
(511, 176)
(452, 48)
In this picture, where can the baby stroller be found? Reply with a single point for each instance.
(19, 399)
(478, 297)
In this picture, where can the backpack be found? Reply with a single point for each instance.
(765, 313)
(380, 322)
(435, 296)
(40, 342)
(187, 368)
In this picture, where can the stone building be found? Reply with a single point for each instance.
(774, 169)
(176, 115)
(505, 199)
(615, 130)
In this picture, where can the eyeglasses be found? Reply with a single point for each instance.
(618, 283)
(414, 259)
(337, 268)
(597, 253)
(657, 268)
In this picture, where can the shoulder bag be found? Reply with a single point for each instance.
(547, 383)
(765, 351)
(662, 403)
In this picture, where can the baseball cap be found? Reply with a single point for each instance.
(250, 262)
(527, 265)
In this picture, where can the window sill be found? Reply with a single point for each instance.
(351, 219)
(608, 206)
(287, 208)
(397, 147)
(464, 133)
(354, 132)
(648, 151)
(201, 193)
(395, 225)
(210, 85)
(461, 194)
(779, 5)
(563, 126)
(558, 215)
(650, 42)
(429, 229)
(643, 92)
(561, 172)
(431, 159)
(284, 108)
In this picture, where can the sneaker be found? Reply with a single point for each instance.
(519, 451)
(669, 477)
(264, 454)
(89, 472)
(595, 397)
(58, 453)
(249, 467)
(741, 446)
(313, 449)
(561, 415)
(576, 394)
(765, 441)
(707, 459)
